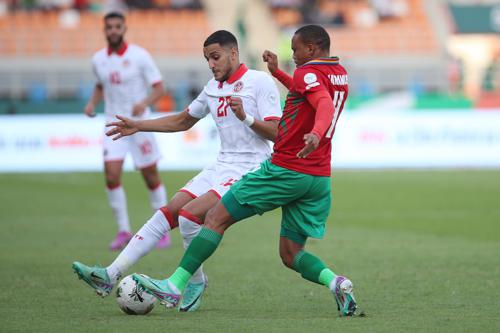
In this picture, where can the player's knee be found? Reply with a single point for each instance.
(152, 180)
(214, 221)
(112, 182)
(112, 179)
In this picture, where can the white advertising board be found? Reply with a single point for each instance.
(418, 140)
(52, 143)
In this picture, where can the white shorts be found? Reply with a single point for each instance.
(142, 146)
(217, 178)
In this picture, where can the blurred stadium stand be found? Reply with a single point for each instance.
(388, 46)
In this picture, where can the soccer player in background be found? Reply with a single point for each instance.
(124, 73)
(296, 178)
(245, 106)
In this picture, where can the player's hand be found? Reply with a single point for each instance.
(271, 59)
(236, 105)
(138, 109)
(311, 141)
(124, 127)
(89, 110)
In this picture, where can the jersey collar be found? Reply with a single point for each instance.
(242, 69)
(120, 51)
(323, 61)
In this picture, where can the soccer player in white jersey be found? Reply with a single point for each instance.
(245, 107)
(125, 73)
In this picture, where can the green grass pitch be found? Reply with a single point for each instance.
(422, 248)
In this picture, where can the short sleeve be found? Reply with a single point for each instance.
(199, 107)
(307, 80)
(268, 99)
(151, 73)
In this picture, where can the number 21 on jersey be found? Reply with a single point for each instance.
(223, 105)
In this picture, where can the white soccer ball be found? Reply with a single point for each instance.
(132, 299)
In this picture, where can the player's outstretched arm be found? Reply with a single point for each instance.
(96, 97)
(266, 129)
(272, 65)
(174, 123)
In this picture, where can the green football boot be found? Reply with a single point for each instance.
(163, 290)
(191, 298)
(96, 277)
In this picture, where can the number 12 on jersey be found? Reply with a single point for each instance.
(338, 99)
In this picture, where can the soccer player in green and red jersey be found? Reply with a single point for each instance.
(296, 178)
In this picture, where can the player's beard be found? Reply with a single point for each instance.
(115, 44)
(227, 73)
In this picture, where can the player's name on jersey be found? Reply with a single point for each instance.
(338, 80)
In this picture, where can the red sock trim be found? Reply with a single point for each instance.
(155, 187)
(173, 223)
(190, 217)
(113, 187)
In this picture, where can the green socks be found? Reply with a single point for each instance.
(198, 251)
(180, 278)
(313, 269)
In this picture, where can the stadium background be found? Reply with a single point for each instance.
(424, 94)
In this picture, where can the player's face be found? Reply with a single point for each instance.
(222, 61)
(114, 29)
(302, 52)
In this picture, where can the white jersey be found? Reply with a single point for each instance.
(125, 76)
(260, 96)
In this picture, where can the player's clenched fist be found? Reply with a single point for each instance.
(124, 127)
(236, 105)
(271, 59)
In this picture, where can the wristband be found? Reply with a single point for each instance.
(249, 120)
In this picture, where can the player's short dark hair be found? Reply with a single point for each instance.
(315, 34)
(114, 15)
(221, 37)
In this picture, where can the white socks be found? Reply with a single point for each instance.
(141, 244)
(158, 197)
(118, 203)
(189, 230)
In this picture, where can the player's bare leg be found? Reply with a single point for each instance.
(157, 196)
(118, 203)
(313, 269)
(191, 219)
(169, 291)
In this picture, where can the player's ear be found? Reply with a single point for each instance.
(311, 48)
(234, 53)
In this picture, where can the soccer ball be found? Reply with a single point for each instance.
(132, 299)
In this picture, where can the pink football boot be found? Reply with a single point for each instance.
(121, 240)
(164, 242)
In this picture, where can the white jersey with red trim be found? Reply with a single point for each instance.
(260, 96)
(125, 75)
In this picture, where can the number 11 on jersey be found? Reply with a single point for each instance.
(338, 98)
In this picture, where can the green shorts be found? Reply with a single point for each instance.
(305, 199)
